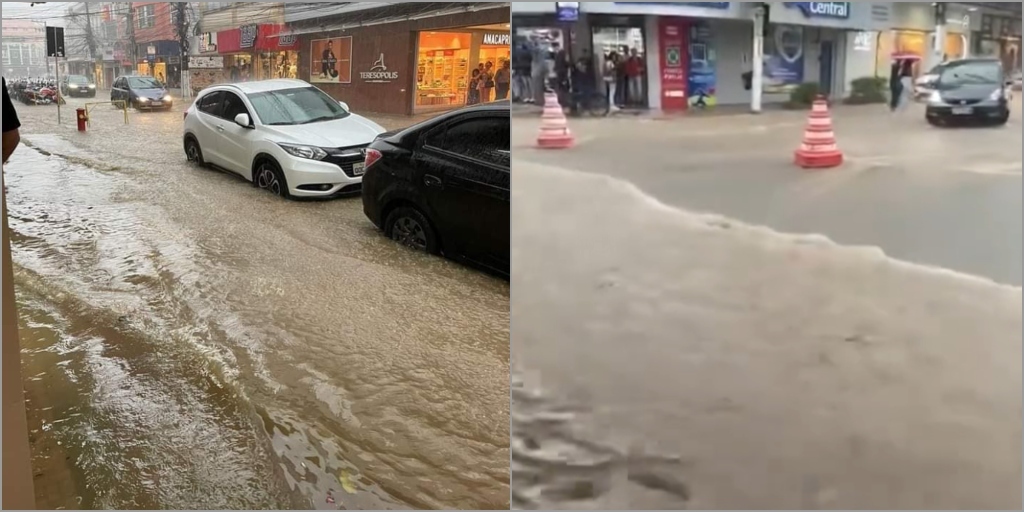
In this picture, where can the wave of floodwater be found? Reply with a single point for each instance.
(675, 360)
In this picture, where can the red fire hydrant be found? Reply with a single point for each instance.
(83, 118)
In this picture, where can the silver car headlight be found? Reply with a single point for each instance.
(935, 98)
(307, 152)
(92, 86)
(997, 94)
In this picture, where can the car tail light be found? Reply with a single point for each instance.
(372, 155)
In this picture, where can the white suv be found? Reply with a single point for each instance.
(285, 136)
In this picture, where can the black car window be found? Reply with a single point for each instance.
(480, 138)
(119, 83)
(968, 72)
(210, 103)
(232, 106)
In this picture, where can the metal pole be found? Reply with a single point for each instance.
(757, 62)
(56, 64)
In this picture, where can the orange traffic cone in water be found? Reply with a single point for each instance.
(819, 149)
(554, 129)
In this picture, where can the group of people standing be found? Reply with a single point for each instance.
(485, 79)
(619, 74)
(623, 75)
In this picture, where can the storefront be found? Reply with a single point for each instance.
(913, 31)
(446, 62)
(276, 53)
(238, 49)
(155, 59)
(999, 36)
(698, 54)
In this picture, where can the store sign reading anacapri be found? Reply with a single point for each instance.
(378, 73)
(498, 39)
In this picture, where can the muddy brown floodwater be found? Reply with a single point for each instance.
(192, 343)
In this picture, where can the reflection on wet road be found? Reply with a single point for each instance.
(198, 344)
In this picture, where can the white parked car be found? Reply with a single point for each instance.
(285, 136)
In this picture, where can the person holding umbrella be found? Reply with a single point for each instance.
(901, 80)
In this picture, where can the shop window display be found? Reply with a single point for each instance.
(282, 64)
(442, 69)
(495, 57)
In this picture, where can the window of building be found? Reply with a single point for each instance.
(146, 16)
(442, 69)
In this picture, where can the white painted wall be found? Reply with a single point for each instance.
(733, 44)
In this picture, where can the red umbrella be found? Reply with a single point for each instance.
(905, 56)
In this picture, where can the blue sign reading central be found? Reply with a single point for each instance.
(706, 5)
(837, 10)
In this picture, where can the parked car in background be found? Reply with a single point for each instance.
(141, 93)
(78, 86)
(970, 90)
(442, 186)
(285, 136)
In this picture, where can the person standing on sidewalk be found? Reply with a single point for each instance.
(539, 71)
(635, 78)
(521, 74)
(502, 81)
(895, 85)
(12, 126)
(610, 73)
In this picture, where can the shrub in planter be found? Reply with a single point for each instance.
(803, 95)
(868, 90)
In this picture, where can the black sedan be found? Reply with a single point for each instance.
(142, 93)
(442, 186)
(78, 86)
(973, 90)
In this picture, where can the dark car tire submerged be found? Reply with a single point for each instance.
(193, 152)
(268, 176)
(409, 227)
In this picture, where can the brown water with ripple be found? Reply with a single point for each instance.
(198, 344)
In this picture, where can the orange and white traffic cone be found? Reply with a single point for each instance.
(554, 129)
(819, 149)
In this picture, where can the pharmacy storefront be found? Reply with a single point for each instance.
(699, 54)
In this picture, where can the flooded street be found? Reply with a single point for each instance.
(193, 343)
(672, 360)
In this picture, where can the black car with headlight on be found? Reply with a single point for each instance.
(970, 90)
(141, 93)
(78, 85)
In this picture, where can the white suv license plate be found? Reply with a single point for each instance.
(358, 168)
(962, 111)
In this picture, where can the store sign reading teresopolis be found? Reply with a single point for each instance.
(378, 73)
(838, 10)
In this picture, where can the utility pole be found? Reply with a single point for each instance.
(90, 40)
(131, 36)
(182, 33)
(757, 60)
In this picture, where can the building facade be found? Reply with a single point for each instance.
(998, 34)
(157, 50)
(24, 49)
(399, 59)
(699, 53)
